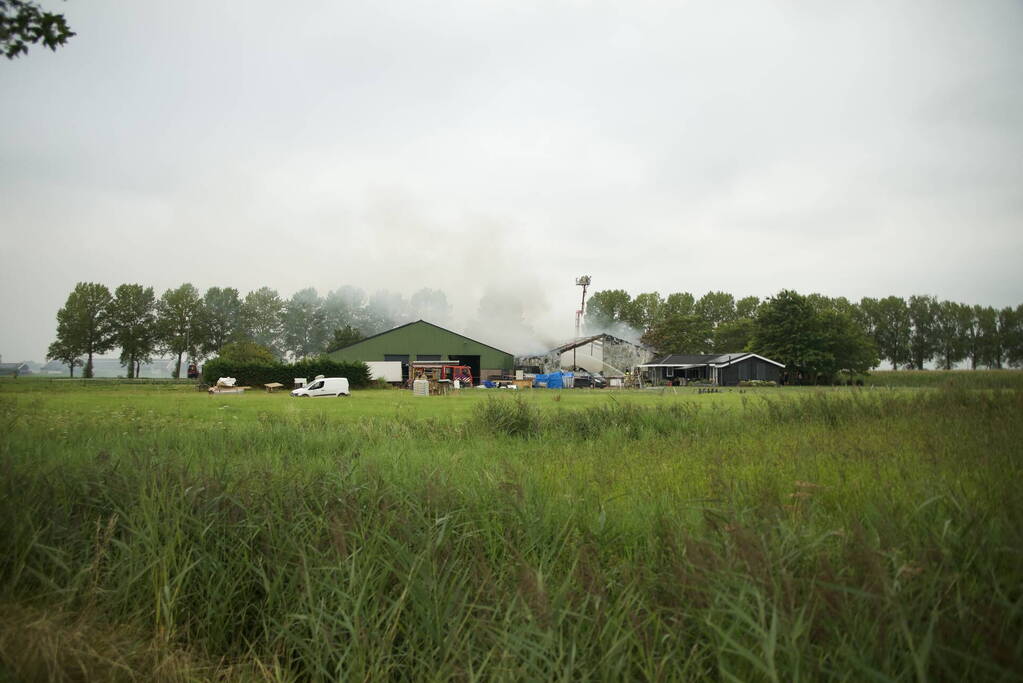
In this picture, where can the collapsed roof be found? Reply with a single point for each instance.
(603, 353)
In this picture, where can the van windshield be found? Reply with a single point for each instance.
(316, 385)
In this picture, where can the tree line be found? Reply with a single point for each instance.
(184, 322)
(818, 336)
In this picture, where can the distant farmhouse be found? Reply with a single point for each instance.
(723, 369)
(14, 369)
(423, 341)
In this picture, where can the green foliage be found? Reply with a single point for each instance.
(509, 417)
(815, 337)
(644, 311)
(84, 325)
(179, 320)
(66, 353)
(606, 308)
(716, 308)
(133, 317)
(922, 315)
(344, 337)
(261, 315)
(221, 319)
(246, 352)
(304, 326)
(679, 333)
(809, 535)
(24, 23)
(959, 379)
(259, 373)
(733, 336)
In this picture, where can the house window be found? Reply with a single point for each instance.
(669, 372)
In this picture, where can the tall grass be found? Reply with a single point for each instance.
(852, 536)
(967, 379)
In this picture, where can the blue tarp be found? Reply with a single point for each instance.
(554, 380)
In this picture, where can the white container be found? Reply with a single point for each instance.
(387, 370)
(421, 387)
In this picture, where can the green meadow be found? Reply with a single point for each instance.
(152, 532)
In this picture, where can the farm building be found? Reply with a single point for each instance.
(603, 353)
(724, 369)
(423, 341)
(14, 369)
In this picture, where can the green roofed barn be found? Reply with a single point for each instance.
(425, 341)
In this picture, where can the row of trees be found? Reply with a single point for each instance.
(183, 321)
(817, 334)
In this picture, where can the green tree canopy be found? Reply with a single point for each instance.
(343, 337)
(246, 352)
(922, 315)
(179, 322)
(262, 312)
(133, 316)
(679, 333)
(24, 23)
(84, 324)
(304, 324)
(606, 308)
(68, 355)
(222, 318)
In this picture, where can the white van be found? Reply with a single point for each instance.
(328, 386)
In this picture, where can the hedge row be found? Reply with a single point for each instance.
(257, 374)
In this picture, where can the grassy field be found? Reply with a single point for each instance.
(154, 533)
(966, 379)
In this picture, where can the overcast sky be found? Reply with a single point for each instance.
(503, 148)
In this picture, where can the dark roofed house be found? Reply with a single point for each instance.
(723, 369)
(14, 369)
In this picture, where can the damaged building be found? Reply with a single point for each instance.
(598, 354)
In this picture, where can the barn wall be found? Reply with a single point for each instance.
(751, 368)
(422, 338)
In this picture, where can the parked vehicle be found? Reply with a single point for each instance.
(328, 386)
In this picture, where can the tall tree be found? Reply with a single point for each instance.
(922, 313)
(894, 330)
(789, 330)
(386, 309)
(644, 310)
(733, 336)
(747, 306)
(344, 306)
(430, 305)
(847, 346)
(716, 308)
(606, 308)
(343, 337)
(133, 316)
(69, 355)
(1010, 321)
(991, 349)
(262, 313)
(950, 322)
(83, 324)
(179, 322)
(679, 303)
(304, 324)
(678, 333)
(222, 318)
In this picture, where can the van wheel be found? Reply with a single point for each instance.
(341, 395)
